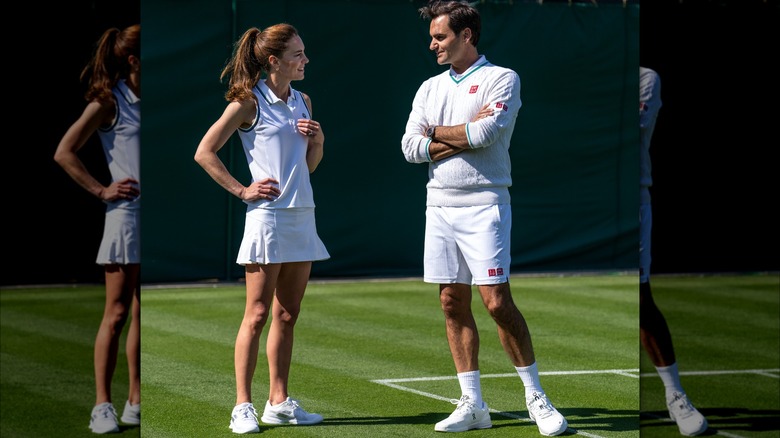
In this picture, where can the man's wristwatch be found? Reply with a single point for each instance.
(430, 132)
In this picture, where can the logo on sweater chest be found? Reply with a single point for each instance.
(473, 89)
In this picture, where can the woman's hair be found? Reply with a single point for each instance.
(250, 58)
(461, 14)
(109, 62)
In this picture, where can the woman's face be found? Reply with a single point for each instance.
(294, 60)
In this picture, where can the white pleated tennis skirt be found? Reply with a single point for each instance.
(280, 236)
(121, 242)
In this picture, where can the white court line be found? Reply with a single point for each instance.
(769, 372)
(634, 373)
(438, 397)
(488, 376)
(393, 383)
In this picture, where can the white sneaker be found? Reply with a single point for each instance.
(689, 420)
(466, 416)
(103, 419)
(244, 419)
(549, 421)
(288, 412)
(132, 413)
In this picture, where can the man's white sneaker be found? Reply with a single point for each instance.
(466, 416)
(549, 421)
(288, 412)
(244, 419)
(132, 413)
(689, 420)
(103, 419)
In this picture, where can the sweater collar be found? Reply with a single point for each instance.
(474, 67)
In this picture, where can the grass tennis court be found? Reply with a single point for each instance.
(354, 336)
(46, 349)
(726, 333)
(372, 358)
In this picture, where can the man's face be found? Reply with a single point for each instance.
(447, 46)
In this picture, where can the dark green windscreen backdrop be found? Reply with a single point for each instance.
(574, 151)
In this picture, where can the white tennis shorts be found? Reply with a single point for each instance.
(468, 245)
(645, 226)
(121, 242)
(280, 236)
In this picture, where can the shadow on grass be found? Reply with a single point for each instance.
(426, 418)
(429, 418)
(578, 418)
(127, 427)
(733, 419)
(599, 419)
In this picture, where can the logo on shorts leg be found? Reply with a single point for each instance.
(495, 272)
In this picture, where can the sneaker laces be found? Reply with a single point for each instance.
(541, 406)
(289, 404)
(290, 407)
(681, 405)
(107, 411)
(464, 403)
(246, 413)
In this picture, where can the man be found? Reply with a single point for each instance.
(654, 332)
(461, 124)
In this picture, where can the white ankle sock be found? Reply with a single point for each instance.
(671, 378)
(530, 377)
(470, 386)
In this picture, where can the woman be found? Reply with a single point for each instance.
(283, 145)
(113, 112)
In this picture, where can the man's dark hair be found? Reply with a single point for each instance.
(462, 15)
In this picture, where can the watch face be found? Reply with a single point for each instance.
(429, 131)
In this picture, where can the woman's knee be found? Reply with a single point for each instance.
(256, 316)
(116, 315)
(287, 314)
